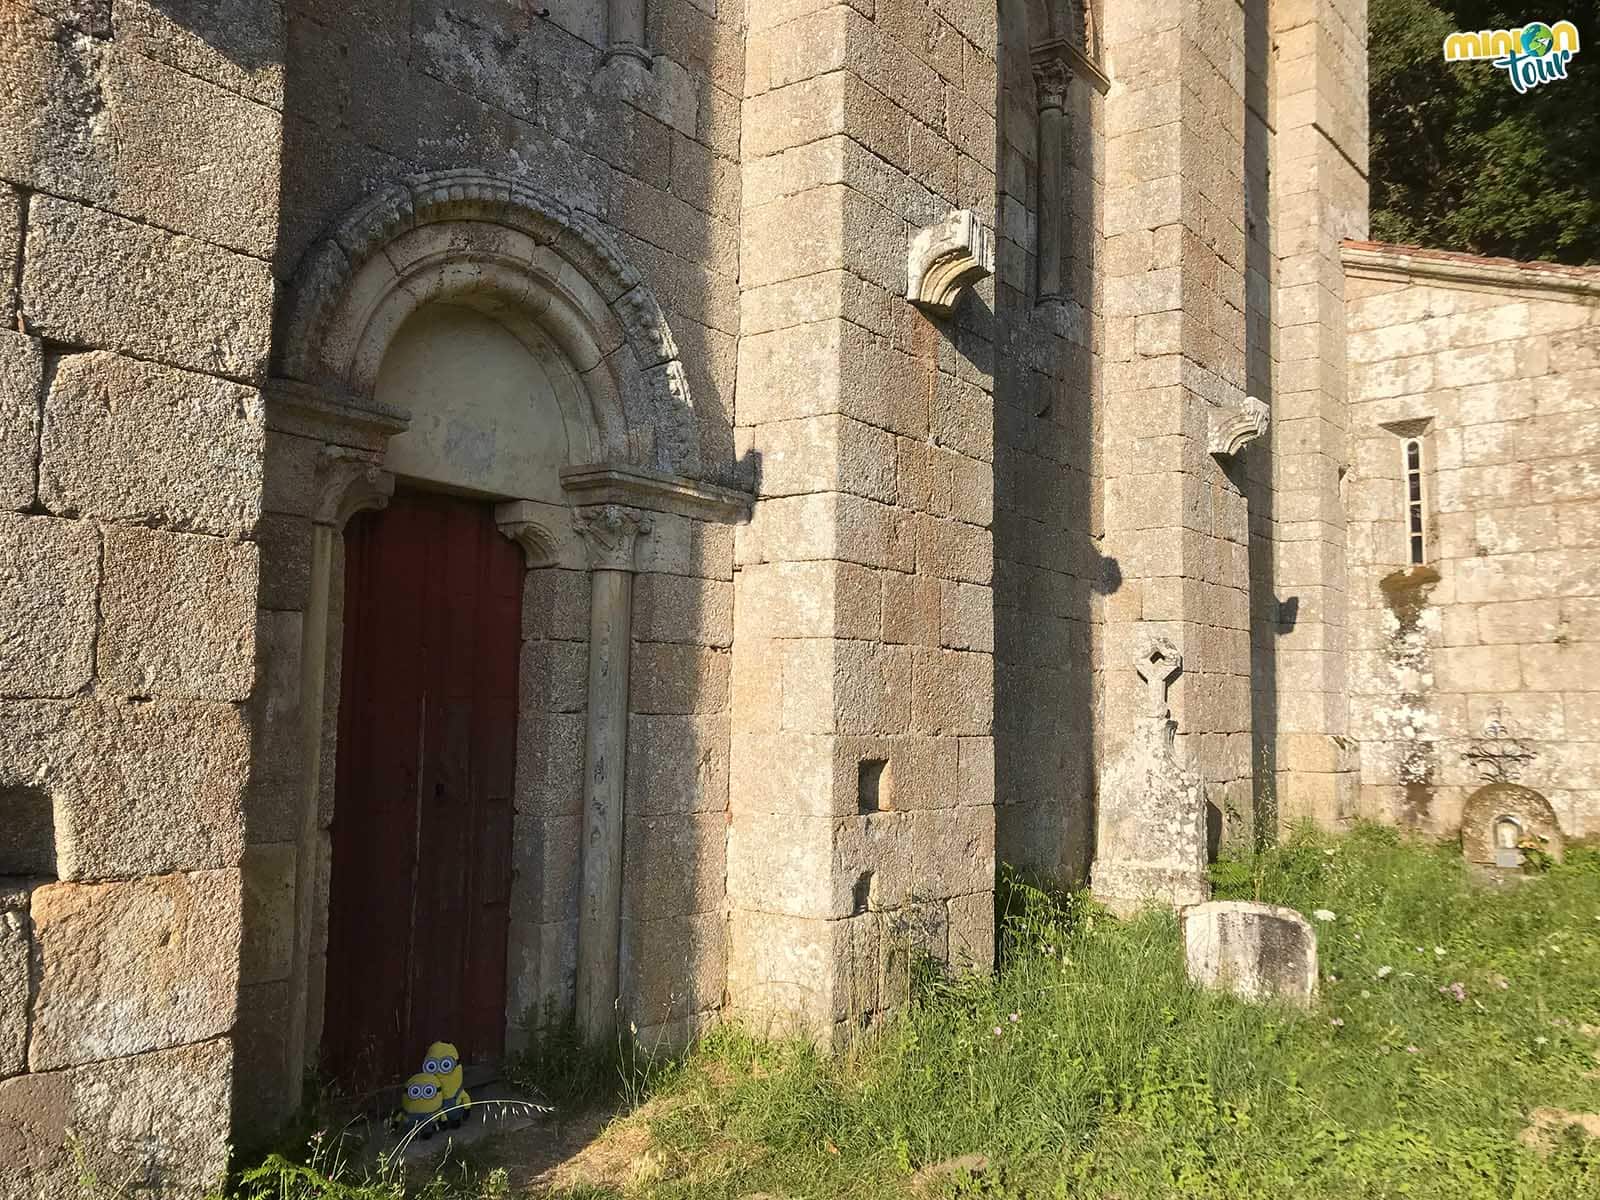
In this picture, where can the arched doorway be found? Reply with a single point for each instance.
(420, 886)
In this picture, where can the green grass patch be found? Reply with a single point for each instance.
(1087, 1066)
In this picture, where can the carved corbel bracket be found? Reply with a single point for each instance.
(348, 482)
(525, 524)
(1233, 429)
(947, 257)
(1052, 76)
(610, 534)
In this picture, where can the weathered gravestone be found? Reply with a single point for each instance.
(1151, 833)
(1256, 951)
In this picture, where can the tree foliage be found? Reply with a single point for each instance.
(1459, 159)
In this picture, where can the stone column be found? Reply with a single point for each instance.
(1175, 517)
(1051, 78)
(609, 533)
(1318, 198)
(347, 483)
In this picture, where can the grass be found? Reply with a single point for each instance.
(1086, 1066)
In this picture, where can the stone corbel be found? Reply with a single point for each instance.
(1234, 428)
(947, 257)
(610, 534)
(524, 523)
(348, 482)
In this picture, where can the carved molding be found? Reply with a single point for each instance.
(348, 482)
(1059, 54)
(947, 257)
(1234, 428)
(609, 534)
(1052, 76)
(654, 491)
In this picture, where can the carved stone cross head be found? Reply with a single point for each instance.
(1158, 664)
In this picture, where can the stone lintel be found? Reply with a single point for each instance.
(330, 414)
(1376, 260)
(654, 491)
(946, 258)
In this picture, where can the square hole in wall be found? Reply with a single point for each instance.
(874, 788)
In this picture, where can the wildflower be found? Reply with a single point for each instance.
(1358, 937)
(1439, 950)
(1366, 995)
(1457, 990)
(1419, 949)
(1412, 1050)
(1329, 853)
(1337, 1022)
(1541, 1040)
(1385, 972)
(1323, 914)
(1015, 1017)
(997, 1031)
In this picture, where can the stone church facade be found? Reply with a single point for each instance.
(631, 508)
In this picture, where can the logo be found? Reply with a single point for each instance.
(1534, 54)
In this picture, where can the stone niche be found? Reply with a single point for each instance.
(1500, 817)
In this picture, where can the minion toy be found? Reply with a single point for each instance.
(444, 1062)
(420, 1102)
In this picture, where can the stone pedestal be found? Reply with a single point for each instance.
(1255, 951)
(1151, 836)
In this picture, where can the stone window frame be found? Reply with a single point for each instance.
(1418, 541)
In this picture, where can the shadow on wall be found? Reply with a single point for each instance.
(1048, 568)
(1253, 472)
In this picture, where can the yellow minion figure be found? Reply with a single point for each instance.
(420, 1103)
(444, 1062)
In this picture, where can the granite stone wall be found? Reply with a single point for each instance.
(1493, 369)
(139, 206)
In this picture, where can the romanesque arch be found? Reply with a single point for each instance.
(519, 255)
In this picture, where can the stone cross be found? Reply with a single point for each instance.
(1158, 664)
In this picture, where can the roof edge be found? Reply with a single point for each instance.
(1382, 260)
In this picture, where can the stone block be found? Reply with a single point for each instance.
(673, 967)
(680, 608)
(21, 390)
(554, 677)
(102, 762)
(178, 615)
(15, 989)
(137, 442)
(669, 678)
(93, 279)
(97, 123)
(48, 573)
(1256, 951)
(285, 543)
(555, 603)
(130, 967)
(789, 772)
(784, 968)
(550, 763)
(674, 865)
(276, 789)
(157, 1124)
(677, 764)
(966, 616)
(952, 692)
(240, 48)
(268, 912)
(265, 1093)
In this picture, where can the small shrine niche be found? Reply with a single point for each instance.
(1504, 823)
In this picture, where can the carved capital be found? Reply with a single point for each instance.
(609, 535)
(1051, 79)
(1158, 663)
(947, 257)
(348, 483)
(1234, 428)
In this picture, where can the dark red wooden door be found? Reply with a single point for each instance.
(422, 813)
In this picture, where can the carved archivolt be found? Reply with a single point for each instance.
(517, 254)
